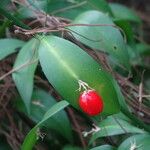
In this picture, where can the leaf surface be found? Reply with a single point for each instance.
(9, 46)
(138, 142)
(25, 65)
(32, 136)
(104, 37)
(122, 12)
(114, 126)
(41, 102)
(65, 64)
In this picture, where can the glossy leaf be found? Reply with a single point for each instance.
(114, 126)
(103, 147)
(138, 142)
(41, 102)
(26, 61)
(122, 12)
(65, 64)
(106, 38)
(31, 138)
(9, 46)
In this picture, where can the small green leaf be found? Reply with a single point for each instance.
(65, 64)
(138, 142)
(122, 12)
(100, 5)
(143, 49)
(25, 66)
(70, 147)
(127, 28)
(32, 136)
(9, 46)
(41, 102)
(104, 147)
(114, 126)
(105, 38)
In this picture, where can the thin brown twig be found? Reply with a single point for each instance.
(18, 68)
(145, 96)
(141, 92)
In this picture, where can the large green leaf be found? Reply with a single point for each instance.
(64, 64)
(122, 12)
(103, 147)
(26, 61)
(41, 102)
(138, 142)
(32, 137)
(9, 46)
(106, 38)
(114, 126)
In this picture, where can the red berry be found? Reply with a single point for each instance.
(91, 103)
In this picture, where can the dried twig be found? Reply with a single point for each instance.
(18, 68)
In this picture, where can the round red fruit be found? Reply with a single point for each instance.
(91, 103)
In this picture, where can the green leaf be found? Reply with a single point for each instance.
(120, 96)
(12, 18)
(122, 12)
(70, 9)
(127, 28)
(138, 142)
(114, 126)
(100, 5)
(143, 49)
(103, 147)
(9, 46)
(25, 66)
(134, 56)
(32, 137)
(65, 64)
(67, 9)
(41, 102)
(105, 38)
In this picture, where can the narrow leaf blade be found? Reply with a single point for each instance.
(114, 126)
(9, 46)
(26, 63)
(32, 137)
(40, 104)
